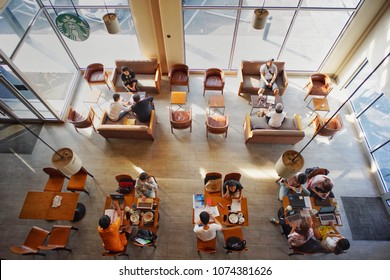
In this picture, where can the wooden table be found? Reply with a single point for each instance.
(216, 200)
(319, 104)
(178, 98)
(314, 217)
(129, 200)
(256, 103)
(37, 205)
(217, 102)
(128, 96)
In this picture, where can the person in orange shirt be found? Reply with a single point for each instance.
(114, 240)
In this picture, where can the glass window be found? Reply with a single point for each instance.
(271, 3)
(116, 46)
(330, 3)
(46, 65)
(83, 2)
(210, 2)
(311, 38)
(381, 157)
(375, 122)
(261, 44)
(208, 37)
(14, 21)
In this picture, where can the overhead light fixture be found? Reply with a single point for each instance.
(259, 18)
(111, 21)
(72, 25)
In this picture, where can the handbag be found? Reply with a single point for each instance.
(213, 185)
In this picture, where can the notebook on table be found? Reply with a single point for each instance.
(327, 216)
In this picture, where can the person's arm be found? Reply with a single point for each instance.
(275, 74)
(262, 72)
(215, 220)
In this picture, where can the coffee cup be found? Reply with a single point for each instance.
(241, 220)
(289, 208)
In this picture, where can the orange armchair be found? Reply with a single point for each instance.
(214, 79)
(180, 119)
(319, 85)
(334, 126)
(95, 74)
(80, 121)
(179, 76)
(217, 125)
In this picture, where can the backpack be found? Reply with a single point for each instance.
(145, 234)
(235, 243)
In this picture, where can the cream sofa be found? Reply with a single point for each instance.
(256, 130)
(249, 77)
(147, 72)
(120, 129)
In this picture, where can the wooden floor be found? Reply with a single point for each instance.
(179, 162)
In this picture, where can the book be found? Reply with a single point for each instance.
(113, 214)
(142, 241)
(198, 201)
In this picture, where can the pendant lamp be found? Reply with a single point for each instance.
(111, 21)
(259, 18)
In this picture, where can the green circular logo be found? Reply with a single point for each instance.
(73, 27)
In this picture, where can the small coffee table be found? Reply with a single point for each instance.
(258, 103)
(319, 104)
(128, 96)
(217, 102)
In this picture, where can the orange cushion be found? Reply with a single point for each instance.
(217, 121)
(180, 116)
(334, 124)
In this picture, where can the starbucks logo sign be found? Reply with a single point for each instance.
(73, 26)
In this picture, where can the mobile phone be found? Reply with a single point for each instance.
(229, 207)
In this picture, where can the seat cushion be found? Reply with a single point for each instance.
(214, 82)
(217, 121)
(97, 76)
(179, 77)
(181, 116)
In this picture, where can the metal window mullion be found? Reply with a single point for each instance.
(368, 105)
(235, 34)
(62, 41)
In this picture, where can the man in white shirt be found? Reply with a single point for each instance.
(275, 118)
(268, 74)
(118, 108)
(204, 230)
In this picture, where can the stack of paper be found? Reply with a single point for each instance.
(197, 201)
(236, 206)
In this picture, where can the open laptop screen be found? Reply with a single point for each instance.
(327, 209)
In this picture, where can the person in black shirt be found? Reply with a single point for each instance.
(142, 109)
(128, 79)
(232, 189)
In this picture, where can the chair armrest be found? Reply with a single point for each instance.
(104, 118)
(157, 79)
(298, 120)
(152, 123)
(247, 128)
(284, 78)
(113, 78)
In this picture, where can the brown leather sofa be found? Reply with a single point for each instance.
(256, 130)
(123, 128)
(147, 72)
(249, 77)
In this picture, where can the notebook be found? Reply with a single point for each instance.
(147, 204)
(297, 201)
(327, 215)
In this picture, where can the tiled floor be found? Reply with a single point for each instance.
(179, 161)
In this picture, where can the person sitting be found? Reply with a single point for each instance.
(142, 109)
(299, 234)
(128, 79)
(113, 239)
(294, 185)
(320, 186)
(118, 108)
(331, 240)
(268, 74)
(145, 186)
(204, 230)
(232, 189)
(276, 118)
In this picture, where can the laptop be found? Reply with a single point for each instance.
(297, 201)
(293, 216)
(322, 202)
(147, 204)
(327, 215)
(116, 196)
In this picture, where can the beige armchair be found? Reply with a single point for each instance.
(334, 126)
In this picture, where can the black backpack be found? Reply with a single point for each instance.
(235, 243)
(145, 234)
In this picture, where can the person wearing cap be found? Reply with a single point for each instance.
(114, 240)
(294, 185)
(145, 186)
(276, 118)
(268, 74)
